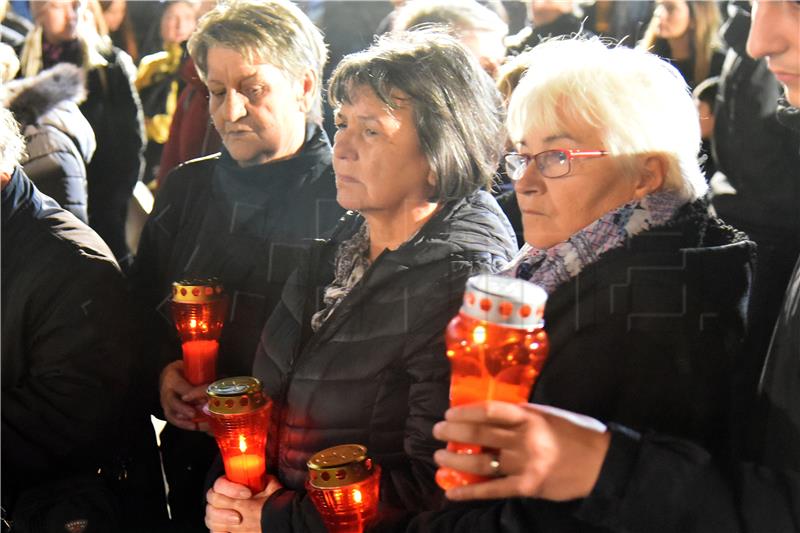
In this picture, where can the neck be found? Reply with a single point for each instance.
(388, 230)
(290, 148)
(680, 48)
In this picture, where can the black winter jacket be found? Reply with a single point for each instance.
(375, 373)
(683, 487)
(246, 227)
(66, 341)
(59, 141)
(647, 335)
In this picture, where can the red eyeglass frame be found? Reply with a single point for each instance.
(571, 154)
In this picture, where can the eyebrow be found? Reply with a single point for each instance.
(242, 80)
(551, 138)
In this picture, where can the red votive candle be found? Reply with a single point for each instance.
(344, 484)
(238, 414)
(497, 347)
(198, 311)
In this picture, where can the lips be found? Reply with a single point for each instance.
(343, 178)
(786, 77)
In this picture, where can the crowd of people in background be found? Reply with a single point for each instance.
(342, 168)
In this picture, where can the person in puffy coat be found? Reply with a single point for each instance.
(354, 352)
(112, 107)
(59, 140)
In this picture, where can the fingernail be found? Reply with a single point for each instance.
(437, 429)
(243, 494)
(437, 456)
(453, 494)
(234, 520)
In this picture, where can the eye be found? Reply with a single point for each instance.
(340, 125)
(217, 93)
(370, 132)
(255, 90)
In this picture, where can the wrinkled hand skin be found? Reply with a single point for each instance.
(540, 455)
(181, 400)
(233, 508)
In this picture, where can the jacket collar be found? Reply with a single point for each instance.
(19, 194)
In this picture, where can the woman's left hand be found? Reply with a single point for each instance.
(539, 455)
(233, 508)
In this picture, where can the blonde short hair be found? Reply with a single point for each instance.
(637, 102)
(12, 143)
(269, 30)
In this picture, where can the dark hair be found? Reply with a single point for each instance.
(706, 91)
(457, 110)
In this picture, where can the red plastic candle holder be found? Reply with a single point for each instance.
(239, 415)
(198, 311)
(344, 484)
(497, 347)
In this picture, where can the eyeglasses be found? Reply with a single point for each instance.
(551, 163)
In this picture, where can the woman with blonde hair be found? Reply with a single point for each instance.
(647, 289)
(685, 33)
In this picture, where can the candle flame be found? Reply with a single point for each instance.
(479, 335)
(192, 323)
(356, 496)
(242, 443)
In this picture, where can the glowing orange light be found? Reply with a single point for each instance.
(242, 444)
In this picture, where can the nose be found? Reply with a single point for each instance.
(764, 38)
(531, 181)
(343, 146)
(234, 106)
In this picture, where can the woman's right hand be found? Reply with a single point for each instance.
(179, 397)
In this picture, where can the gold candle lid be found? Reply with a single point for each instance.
(339, 466)
(197, 291)
(235, 396)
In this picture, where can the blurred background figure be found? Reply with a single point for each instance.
(623, 21)
(13, 27)
(705, 98)
(191, 133)
(120, 27)
(478, 28)
(59, 140)
(112, 108)
(686, 33)
(159, 80)
(549, 18)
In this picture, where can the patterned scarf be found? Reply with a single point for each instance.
(553, 266)
(351, 262)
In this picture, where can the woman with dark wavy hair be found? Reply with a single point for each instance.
(354, 353)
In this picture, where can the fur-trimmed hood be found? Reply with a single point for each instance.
(51, 98)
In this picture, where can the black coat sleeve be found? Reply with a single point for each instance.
(657, 483)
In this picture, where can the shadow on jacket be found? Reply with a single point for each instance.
(375, 372)
(59, 140)
(648, 336)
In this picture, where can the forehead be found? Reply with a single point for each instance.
(225, 62)
(364, 97)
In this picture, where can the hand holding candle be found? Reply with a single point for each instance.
(239, 413)
(497, 347)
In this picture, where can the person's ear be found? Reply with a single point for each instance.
(652, 175)
(307, 90)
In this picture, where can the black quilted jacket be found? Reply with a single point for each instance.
(375, 373)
